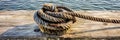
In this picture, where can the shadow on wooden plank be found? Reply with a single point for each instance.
(25, 31)
(110, 28)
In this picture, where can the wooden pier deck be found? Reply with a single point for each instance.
(21, 24)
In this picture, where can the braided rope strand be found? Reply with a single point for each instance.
(39, 21)
(45, 20)
(53, 20)
(49, 18)
(60, 15)
(88, 17)
(45, 28)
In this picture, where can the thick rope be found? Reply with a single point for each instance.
(86, 17)
(39, 21)
(48, 17)
(54, 18)
(52, 22)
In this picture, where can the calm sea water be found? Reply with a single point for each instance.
(73, 4)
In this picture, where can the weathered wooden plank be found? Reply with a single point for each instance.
(20, 23)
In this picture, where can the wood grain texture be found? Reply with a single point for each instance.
(20, 23)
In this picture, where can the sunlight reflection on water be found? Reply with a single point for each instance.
(76, 4)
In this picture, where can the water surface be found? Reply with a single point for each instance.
(73, 4)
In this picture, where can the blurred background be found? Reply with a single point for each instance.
(73, 4)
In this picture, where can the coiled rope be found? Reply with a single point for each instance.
(58, 22)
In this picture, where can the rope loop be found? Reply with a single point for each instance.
(59, 17)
